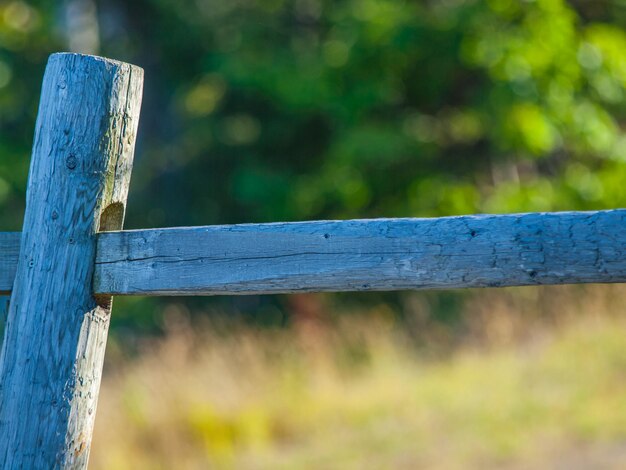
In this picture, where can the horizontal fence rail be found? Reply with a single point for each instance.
(9, 253)
(358, 255)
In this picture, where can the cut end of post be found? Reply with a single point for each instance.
(105, 60)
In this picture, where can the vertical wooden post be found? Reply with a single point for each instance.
(56, 332)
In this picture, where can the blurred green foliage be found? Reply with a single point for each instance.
(306, 109)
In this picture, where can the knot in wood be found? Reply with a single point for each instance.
(71, 162)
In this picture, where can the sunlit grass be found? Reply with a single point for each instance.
(358, 395)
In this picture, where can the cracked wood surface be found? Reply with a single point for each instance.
(363, 255)
(53, 350)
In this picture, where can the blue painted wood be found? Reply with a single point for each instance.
(53, 349)
(363, 255)
(4, 310)
(9, 252)
(381, 254)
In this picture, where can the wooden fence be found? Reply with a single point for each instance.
(62, 270)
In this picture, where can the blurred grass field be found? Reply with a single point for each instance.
(530, 378)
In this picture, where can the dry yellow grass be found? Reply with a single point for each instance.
(536, 379)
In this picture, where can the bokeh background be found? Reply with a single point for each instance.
(286, 110)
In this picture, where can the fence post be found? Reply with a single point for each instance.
(55, 337)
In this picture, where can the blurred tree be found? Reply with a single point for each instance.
(304, 109)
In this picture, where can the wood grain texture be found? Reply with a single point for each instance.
(4, 310)
(52, 355)
(9, 251)
(363, 255)
(383, 254)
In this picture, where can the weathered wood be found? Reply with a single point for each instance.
(9, 251)
(363, 255)
(56, 332)
(4, 310)
(382, 254)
